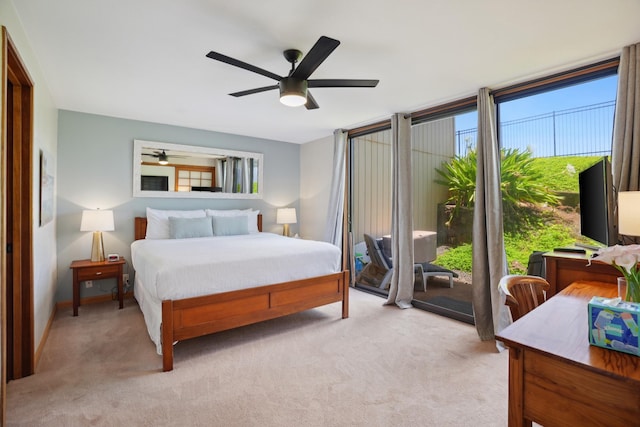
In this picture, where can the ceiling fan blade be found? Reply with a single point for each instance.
(311, 102)
(252, 91)
(316, 56)
(236, 63)
(342, 83)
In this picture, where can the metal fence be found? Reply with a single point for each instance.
(580, 131)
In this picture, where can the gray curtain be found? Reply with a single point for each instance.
(625, 152)
(246, 179)
(489, 257)
(227, 186)
(333, 230)
(401, 287)
(219, 173)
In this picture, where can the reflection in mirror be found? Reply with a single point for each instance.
(174, 170)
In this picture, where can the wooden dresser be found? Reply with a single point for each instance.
(563, 268)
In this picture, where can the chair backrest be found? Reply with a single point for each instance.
(523, 293)
(535, 267)
(375, 253)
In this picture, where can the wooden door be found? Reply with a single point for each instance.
(17, 215)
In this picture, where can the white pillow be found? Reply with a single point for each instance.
(158, 221)
(252, 216)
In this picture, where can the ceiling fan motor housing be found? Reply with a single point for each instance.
(293, 91)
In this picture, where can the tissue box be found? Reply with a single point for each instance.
(614, 326)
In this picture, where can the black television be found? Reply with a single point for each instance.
(597, 201)
(154, 183)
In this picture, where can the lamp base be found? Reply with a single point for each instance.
(97, 248)
(285, 230)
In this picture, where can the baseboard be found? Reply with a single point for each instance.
(43, 340)
(92, 300)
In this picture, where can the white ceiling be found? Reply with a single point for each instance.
(145, 59)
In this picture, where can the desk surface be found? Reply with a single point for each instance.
(559, 328)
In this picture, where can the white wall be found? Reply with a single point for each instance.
(316, 165)
(44, 138)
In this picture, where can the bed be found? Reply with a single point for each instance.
(250, 293)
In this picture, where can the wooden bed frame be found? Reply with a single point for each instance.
(193, 317)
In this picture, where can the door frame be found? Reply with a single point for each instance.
(17, 229)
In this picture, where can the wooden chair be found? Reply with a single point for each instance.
(524, 293)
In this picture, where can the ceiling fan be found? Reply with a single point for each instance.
(162, 156)
(294, 87)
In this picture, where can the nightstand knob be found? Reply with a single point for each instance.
(98, 273)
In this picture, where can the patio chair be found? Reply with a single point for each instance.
(423, 270)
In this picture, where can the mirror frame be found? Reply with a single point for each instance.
(139, 144)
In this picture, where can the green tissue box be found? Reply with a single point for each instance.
(614, 326)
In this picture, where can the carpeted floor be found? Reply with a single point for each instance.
(381, 367)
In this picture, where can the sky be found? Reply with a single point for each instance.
(585, 132)
(592, 92)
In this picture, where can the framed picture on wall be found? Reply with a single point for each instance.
(46, 188)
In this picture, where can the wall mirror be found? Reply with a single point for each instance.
(185, 171)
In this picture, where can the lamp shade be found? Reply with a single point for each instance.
(97, 220)
(629, 213)
(286, 216)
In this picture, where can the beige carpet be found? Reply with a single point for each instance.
(381, 367)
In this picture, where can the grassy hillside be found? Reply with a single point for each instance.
(560, 174)
(556, 226)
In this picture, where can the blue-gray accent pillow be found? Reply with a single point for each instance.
(186, 228)
(230, 225)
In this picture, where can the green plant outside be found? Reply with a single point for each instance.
(517, 247)
(525, 182)
(520, 181)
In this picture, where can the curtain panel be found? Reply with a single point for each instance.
(489, 262)
(333, 229)
(401, 286)
(625, 151)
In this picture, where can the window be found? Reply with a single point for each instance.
(195, 178)
(554, 134)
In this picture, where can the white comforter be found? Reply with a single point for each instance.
(183, 268)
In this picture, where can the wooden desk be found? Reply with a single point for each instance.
(557, 379)
(563, 268)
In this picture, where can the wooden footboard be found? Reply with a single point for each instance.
(194, 317)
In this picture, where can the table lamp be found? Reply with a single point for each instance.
(629, 213)
(97, 221)
(286, 216)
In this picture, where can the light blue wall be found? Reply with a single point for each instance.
(95, 166)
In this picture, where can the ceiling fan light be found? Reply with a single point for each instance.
(162, 159)
(293, 92)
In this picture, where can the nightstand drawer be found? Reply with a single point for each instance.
(94, 273)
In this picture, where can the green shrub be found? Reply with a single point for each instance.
(459, 176)
(521, 183)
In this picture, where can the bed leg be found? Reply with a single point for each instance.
(345, 294)
(167, 335)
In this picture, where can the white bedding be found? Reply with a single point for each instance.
(184, 268)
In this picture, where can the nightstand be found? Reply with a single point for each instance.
(88, 270)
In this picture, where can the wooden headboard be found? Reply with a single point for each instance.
(140, 226)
